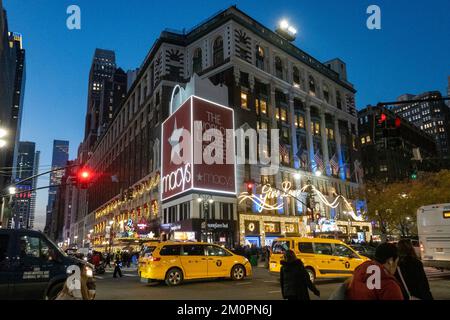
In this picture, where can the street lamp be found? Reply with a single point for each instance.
(207, 200)
(12, 190)
(3, 134)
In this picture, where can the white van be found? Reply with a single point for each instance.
(433, 224)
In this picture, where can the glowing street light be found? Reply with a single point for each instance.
(3, 133)
(12, 190)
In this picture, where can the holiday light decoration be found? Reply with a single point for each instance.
(269, 193)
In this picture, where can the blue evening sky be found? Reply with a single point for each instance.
(411, 53)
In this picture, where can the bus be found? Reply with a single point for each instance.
(433, 224)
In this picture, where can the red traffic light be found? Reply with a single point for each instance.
(84, 178)
(249, 186)
(383, 118)
(398, 122)
(84, 175)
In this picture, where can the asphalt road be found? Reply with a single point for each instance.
(262, 286)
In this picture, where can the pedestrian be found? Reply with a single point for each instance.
(134, 259)
(95, 259)
(364, 284)
(294, 279)
(117, 265)
(411, 274)
(108, 260)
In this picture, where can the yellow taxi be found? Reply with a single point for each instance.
(174, 262)
(323, 258)
(145, 253)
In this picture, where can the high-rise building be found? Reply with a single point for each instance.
(391, 151)
(62, 209)
(59, 160)
(34, 194)
(430, 114)
(448, 91)
(112, 93)
(270, 84)
(102, 69)
(12, 84)
(24, 202)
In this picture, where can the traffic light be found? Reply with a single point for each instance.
(382, 118)
(84, 178)
(414, 175)
(392, 127)
(249, 185)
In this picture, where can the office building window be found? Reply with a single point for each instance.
(244, 100)
(278, 68)
(312, 86)
(197, 61)
(259, 57)
(218, 51)
(296, 76)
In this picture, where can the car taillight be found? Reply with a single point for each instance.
(154, 259)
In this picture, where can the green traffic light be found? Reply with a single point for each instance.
(414, 176)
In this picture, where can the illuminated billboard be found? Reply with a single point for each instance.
(198, 149)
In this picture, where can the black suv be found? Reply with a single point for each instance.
(32, 267)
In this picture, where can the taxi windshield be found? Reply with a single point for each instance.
(280, 246)
(147, 251)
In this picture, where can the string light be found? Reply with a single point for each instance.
(269, 193)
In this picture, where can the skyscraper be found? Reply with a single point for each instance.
(24, 202)
(448, 91)
(430, 114)
(59, 160)
(12, 84)
(102, 69)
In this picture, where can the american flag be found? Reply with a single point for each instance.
(334, 164)
(318, 160)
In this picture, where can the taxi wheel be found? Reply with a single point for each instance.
(238, 272)
(312, 274)
(174, 277)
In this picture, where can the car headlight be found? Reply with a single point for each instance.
(89, 272)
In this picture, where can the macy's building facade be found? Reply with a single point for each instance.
(265, 82)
